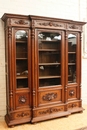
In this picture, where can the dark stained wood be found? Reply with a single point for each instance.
(43, 74)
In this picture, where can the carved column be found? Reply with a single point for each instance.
(33, 62)
(10, 68)
(66, 68)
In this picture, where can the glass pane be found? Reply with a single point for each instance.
(49, 45)
(71, 58)
(21, 59)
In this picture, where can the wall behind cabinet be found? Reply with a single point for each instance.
(67, 9)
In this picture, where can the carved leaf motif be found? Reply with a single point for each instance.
(72, 105)
(49, 96)
(73, 27)
(50, 24)
(50, 110)
(21, 22)
(22, 114)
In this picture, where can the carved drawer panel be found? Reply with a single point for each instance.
(72, 92)
(49, 24)
(18, 22)
(47, 111)
(21, 114)
(73, 105)
(22, 99)
(74, 27)
(49, 96)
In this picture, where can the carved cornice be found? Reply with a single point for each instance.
(73, 26)
(22, 22)
(49, 96)
(50, 24)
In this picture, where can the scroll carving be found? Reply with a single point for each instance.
(73, 27)
(50, 24)
(22, 114)
(50, 110)
(72, 105)
(21, 22)
(49, 96)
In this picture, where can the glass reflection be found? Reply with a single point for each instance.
(21, 59)
(21, 34)
(72, 58)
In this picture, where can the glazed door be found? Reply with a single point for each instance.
(22, 71)
(73, 66)
(50, 67)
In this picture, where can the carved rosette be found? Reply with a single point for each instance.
(22, 99)
(71, 93)
(50, 110)
(49, 96)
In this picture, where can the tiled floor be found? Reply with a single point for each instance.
(71, 122)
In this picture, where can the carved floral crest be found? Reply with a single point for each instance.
(49, 96)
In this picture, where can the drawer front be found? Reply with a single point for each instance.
(48, 111)
(73, 105)
(49, 96)
(21, 115)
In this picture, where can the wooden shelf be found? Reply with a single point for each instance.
(49, 77)
(49, 63)
(71, 63)
(21, 77)
(21, 58)
(49, 40)
(48, 50)
(21, 41)
(71, 52)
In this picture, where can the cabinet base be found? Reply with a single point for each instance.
(75, 110)
(61, 114)
(11, 123)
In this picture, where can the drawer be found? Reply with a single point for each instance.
(20, 115)
(47, 111)
(73, 105)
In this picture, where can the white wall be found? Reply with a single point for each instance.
(66, 9)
